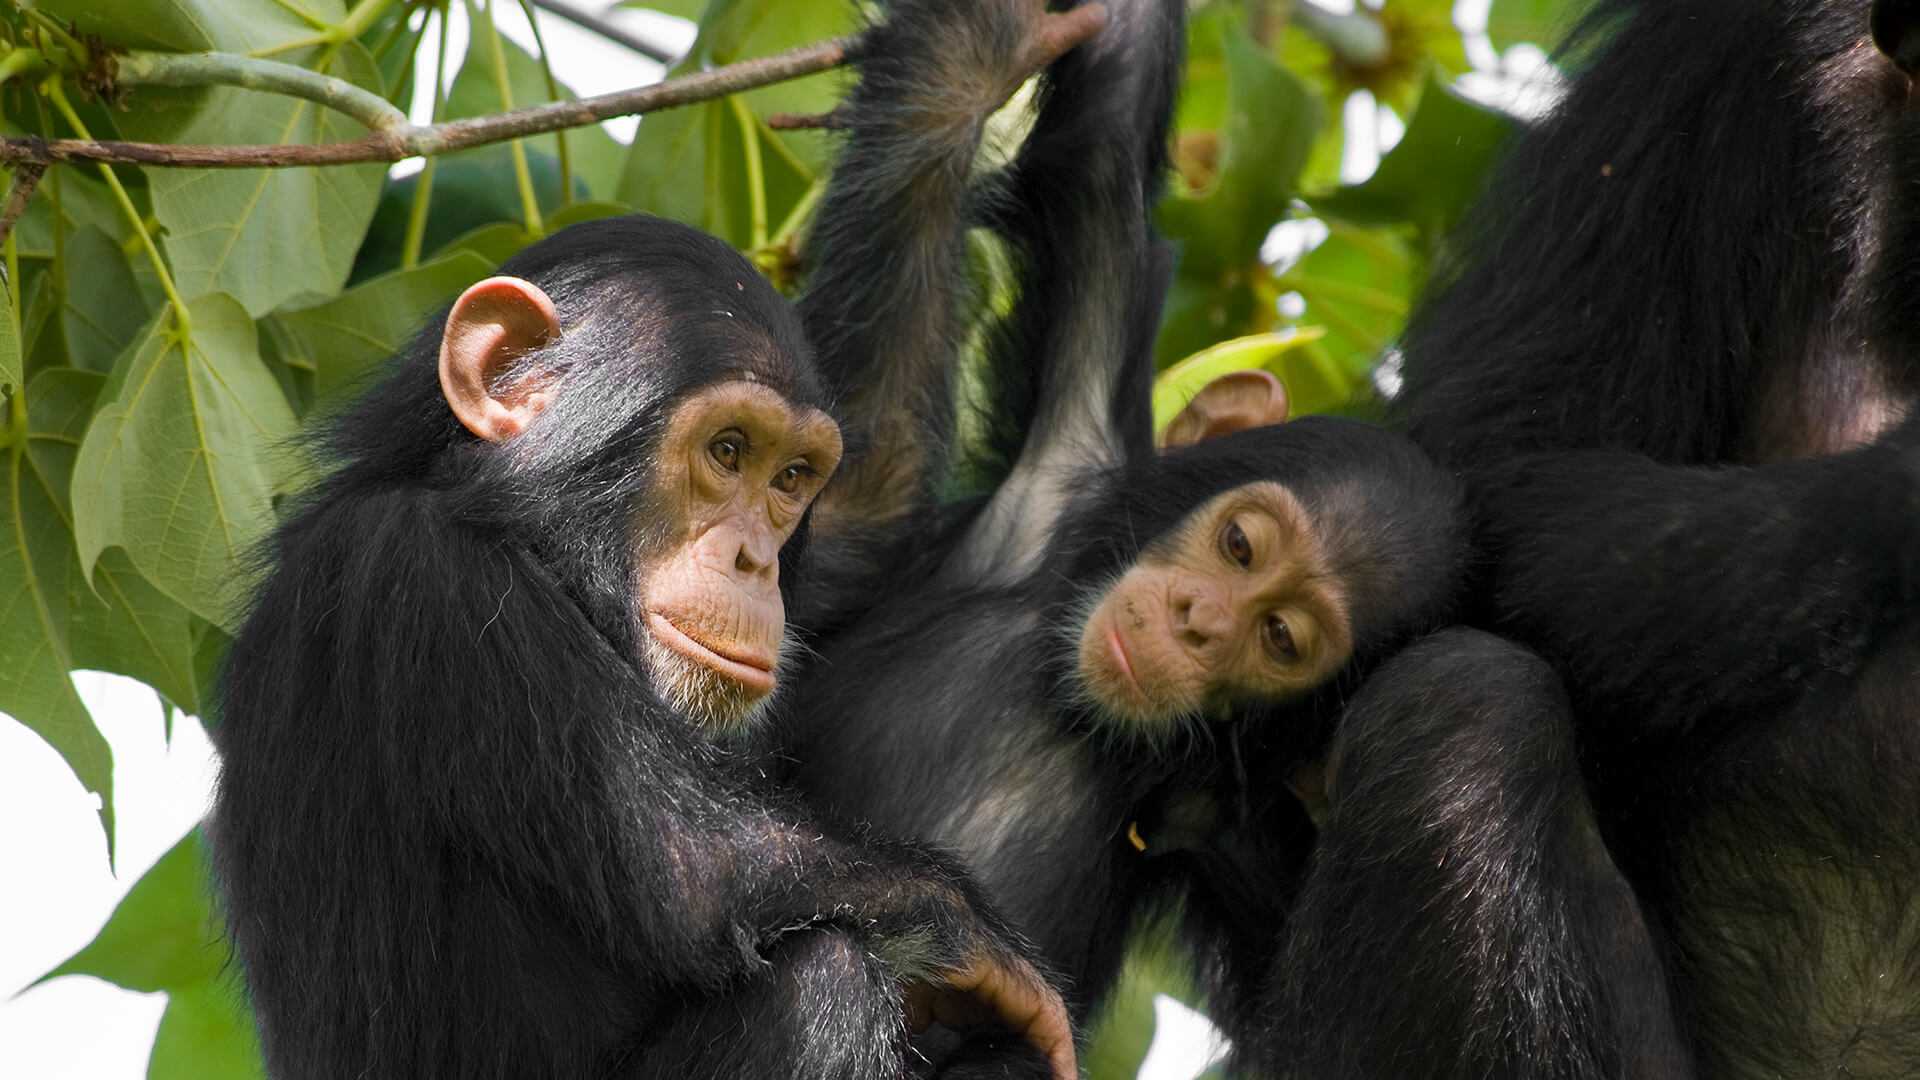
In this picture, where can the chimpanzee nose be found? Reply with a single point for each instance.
(1896, 31)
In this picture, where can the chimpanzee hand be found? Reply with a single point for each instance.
(998, 990)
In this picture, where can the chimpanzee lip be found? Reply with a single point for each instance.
(1119, 650)
(742, 666)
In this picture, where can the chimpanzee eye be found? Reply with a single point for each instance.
(726, 451)
(1280, 639)
(1233, 541)
(788, 479)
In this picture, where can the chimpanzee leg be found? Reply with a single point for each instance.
(823, 1009)
(1461, 917)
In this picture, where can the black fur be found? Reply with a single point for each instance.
(457, 832)
(943, 712)
(1688, 299)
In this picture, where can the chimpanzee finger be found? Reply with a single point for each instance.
(1054, 35)
(1024, 1003)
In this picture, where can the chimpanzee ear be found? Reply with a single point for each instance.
(493, 324)
(1233, 402)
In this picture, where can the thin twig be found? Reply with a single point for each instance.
(26, 176)
(396, 144)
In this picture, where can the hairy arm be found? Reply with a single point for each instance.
(1676, 596)
(1070, 368)
(885, 304)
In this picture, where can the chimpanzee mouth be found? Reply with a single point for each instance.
(744, 666)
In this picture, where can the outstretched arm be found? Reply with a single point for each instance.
(885, 305)
(1071, 368)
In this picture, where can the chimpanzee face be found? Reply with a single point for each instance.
(1239, 601)
(738, 465)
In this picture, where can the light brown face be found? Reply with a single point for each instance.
(1238, 603)
(743, 464)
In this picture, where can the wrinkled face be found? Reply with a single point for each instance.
(1237, 603)
(741, 464)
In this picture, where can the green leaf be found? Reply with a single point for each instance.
(118, 622)
(266, 236)
(102, 309)
(39, 576)
(82, 200)
(176, 466)
(207, 1033)
(1541, 22)
(1177, 385)
(1156, 963)
(163, 933)
(242, 26)
(733, 30)
(1355, 285)
(344, 340)
(1434, 171)
(165, 936)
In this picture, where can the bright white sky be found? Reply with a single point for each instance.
(56, 889)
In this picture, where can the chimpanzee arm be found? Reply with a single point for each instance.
(1676, 596)
(1078, 344)
(885, 305)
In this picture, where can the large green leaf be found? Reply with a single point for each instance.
(177, 468)
(117, 622)
(80, 199)
(242, 26)
(164, 937)
(39, 578)
(343, 340)
(266, 236)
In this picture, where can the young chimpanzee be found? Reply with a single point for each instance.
(1054, 685)
(1668, 357)
(475, 815)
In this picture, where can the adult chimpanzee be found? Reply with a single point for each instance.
(1051, 685)
(473, 817)
(1661, 358)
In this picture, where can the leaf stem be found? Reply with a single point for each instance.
(553, 94)
(452, 135)
(21, 62)
(423, 191)
(249, 73)
(756, 173)
(529, 203)
(358, 20)
(182, 321)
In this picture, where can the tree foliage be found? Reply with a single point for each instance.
(167, 331)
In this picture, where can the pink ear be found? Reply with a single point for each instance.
(492, 325)
(1233, 402)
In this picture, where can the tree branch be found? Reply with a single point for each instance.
(397, 143)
